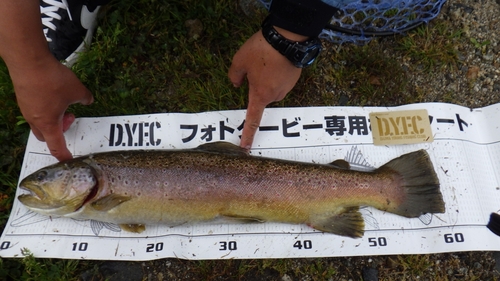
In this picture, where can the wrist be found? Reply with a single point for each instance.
(23, 67)
(290, 35)
(25, 57)
(298, 49)
(30, 78)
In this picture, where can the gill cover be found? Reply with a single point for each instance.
(59, 189)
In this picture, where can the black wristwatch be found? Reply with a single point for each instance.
(301, 54)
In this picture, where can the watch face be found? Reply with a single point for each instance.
(310, 55)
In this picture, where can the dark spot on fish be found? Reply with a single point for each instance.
(138, 194)
(126, 182)
(388, 201)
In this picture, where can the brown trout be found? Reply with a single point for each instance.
(136, 188)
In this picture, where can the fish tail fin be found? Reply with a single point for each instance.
(420, 184)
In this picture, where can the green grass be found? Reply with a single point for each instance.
(371, 76)
(31, 269)
(144, 59)
(143, 64)
(431, 46)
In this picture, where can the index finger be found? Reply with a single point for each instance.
(254, 114)
(56, 143)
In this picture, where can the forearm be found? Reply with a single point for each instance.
(22, 43)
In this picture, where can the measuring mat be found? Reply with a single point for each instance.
(463, 145)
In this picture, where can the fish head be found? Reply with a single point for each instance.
(59, 189)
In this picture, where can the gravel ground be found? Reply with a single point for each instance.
(473, 81)
(440, 267)
(476, 83)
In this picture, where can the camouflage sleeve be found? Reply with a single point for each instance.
(337, 3)
(305, 17)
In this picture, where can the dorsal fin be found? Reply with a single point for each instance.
(341, 164)
(223, 148)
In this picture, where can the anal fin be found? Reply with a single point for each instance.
(136, 228)
(348, 222)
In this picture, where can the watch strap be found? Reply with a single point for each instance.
(294, 51)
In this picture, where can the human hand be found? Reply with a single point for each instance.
(270, 77)
(44, 91)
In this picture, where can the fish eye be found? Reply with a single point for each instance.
(41, 175)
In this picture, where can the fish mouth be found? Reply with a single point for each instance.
(34, 190)
(35, 198)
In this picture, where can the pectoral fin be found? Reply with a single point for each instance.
(108, 202)
(348, 222)
(137, 228)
